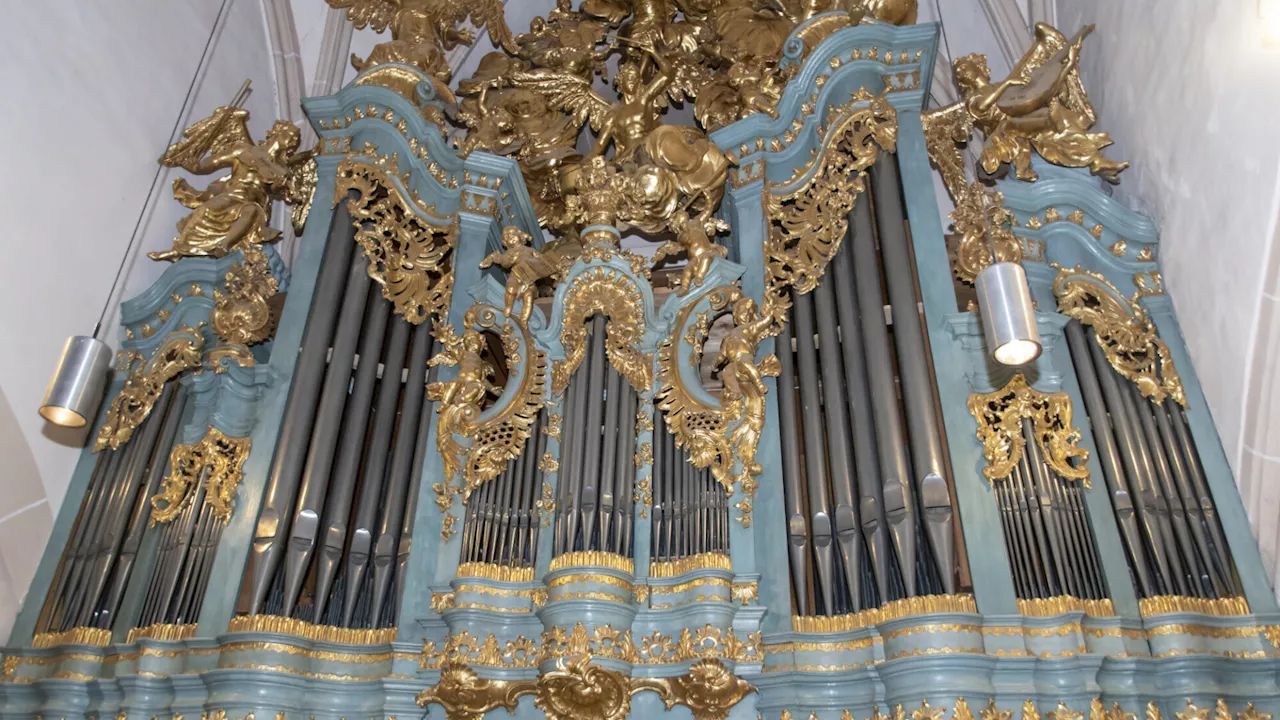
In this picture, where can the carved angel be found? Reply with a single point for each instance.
(744, 378)
(527, 266)
(458, 401)
(423, 30)
(695, 241)
(747, 87)
(1041, 105)
(234, 211)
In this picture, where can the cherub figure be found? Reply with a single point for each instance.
(234, 211)
(527, 266)
(1041, 105)
(694, 239)
(458, 401)
(744, 388)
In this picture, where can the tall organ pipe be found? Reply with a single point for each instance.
(346, 468)
(1221, 556)
(376, 455)
(591, 475)
(324, 435)
(845, 512)
(923, 424)
(608, 462)
(793, 494)
(286, 466)
(899, 505)
(814, 460)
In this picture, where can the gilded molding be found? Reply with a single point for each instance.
(999, 416)
(905, 607)
(161, 631)
(709, 689)
(491, 571)
(219, 459)
(593, 558)
(408, 255)
(1048, 607)
(464, 696)
(1162, 604)
(183, 349)
(98, 637)
(1122, 329)
(310, 631)
(701, 561)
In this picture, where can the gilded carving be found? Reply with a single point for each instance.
(999, 416)
(182, 350)
(234, 211)
(809, 219)
(408, 255)
(527, 267)
(1041, 106)
(580, 690)
(216, 457)
(709, 689)
(464, 696)
(694, 240)
(979, 234)
(242, 313)
(609, 291)
(1123, 330)
(496, 440)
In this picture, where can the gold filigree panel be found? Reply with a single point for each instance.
(1000, 414)
(221, 457)
(408, 256)
(975, 249)
(182, 350)
(242, 314)
(611, 292)
(1122, 329)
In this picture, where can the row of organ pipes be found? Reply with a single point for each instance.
(337, 518)
(868, 503)
(867, 499)
(1168, 523)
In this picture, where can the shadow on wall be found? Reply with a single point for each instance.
(25, 517)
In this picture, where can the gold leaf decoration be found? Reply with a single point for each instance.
(408, 256)
(241, 312)
(218, 457)
(1123, 330)
(182, 350)
(978, 234)
(709, 690)
(464, 696)
(580, 690)
(1000, 414)
(609, 291)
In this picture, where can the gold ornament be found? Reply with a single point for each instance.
(501, 438)
(709, 689)
(579, 690)
(527, 267)
(977, 236)
(609, 291)
(1123, 330)
(408, 255)
(464, 696)
(809, 219)
(216, 456)
(242, 314)
(233, 212)
(182, 350)
(1042, 105)
(694, 241)
(1000, 414)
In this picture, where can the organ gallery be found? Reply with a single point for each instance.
(638, 374)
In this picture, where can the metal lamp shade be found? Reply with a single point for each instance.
(1008, 317)
(76, 389)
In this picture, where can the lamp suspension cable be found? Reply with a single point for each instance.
(1004, 302)
(76, 389)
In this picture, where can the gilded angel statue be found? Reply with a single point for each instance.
(527, 267)
(743, 377)
(1042, 105)
(694, 239)
(234, 211)
(458, 401)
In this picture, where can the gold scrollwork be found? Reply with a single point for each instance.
(978, 235)
(547, 504)
(709, 689)
(409, 256)
(1123, 331)
(182, 350)
(578, 689)
(243, 314)
(809, 220)
(222, 457)
(643, 496)
(999, 416)
(609, 291)
(464, 696)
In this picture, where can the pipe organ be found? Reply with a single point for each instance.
(487, 447)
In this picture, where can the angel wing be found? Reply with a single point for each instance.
(1039, 67)
(568, 92)
(490, 15)
(376, 14)
(944, 130)
(224, 129)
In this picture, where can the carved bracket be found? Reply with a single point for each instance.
(1000, 414)
(1122, 329)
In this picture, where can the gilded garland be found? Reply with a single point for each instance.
(1000, 430)
(216, 454)
(182, 349)
(1123, 330)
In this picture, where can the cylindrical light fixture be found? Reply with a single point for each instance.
(1008, 317)
(76, 389)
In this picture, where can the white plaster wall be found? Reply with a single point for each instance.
(92, 93)
(1189, 94)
